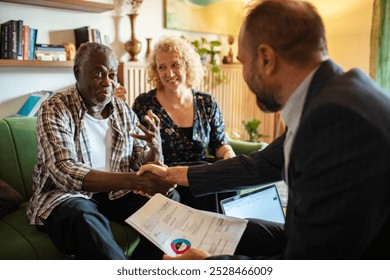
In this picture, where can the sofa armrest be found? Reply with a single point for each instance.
(244, 147)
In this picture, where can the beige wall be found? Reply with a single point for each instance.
(348, 28)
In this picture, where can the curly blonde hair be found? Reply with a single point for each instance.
(195, 70)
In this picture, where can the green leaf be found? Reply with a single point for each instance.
(215, 43)
(252, 128)
(215, 69)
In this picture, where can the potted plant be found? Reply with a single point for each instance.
(208, 51)
(251, 127)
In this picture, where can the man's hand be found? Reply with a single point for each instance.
(152, 132)
(150, 184)
(159, 170)
(176, 174)
(191, 254)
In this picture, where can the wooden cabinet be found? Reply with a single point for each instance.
(236, 101)
(77, 5)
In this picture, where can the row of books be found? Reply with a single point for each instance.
(87, 34)
(50, 52)
(17, 40)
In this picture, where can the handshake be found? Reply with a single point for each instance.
(159, 178)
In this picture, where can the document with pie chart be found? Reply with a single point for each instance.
(175, 227)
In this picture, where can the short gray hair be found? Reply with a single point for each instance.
(85, 51)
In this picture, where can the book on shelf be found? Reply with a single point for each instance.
(19, 34)
(17, 40)
(13, 37)
(96, 37)
(26, 42)
(51, 47)
(87, 34)
(33, 41)
(50, 52)
(9, 39)
(4, 41)
(82, 35)
(106, 39)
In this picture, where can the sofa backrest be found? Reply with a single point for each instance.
(18, 153)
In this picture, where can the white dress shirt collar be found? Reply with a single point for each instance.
(291, 115)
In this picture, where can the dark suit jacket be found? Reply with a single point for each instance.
(339, 171)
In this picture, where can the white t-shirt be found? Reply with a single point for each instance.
(100, 138)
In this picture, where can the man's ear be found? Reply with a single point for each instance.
(76, 72)
(266, 58)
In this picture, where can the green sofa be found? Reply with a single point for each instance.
(18, 239)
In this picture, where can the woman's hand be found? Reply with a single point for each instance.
(120, 92)
(151, 133)
(225, 152)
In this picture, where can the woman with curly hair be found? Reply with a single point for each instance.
(191, 121)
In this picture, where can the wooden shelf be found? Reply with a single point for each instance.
(77, 5)
(35, 63)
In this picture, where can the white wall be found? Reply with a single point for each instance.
(348, 23)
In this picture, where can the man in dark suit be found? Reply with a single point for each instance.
(335, 155)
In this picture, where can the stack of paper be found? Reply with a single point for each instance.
(174, 227)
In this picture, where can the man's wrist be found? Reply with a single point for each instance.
(178, 175)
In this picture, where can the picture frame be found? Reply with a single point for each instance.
(223, 17)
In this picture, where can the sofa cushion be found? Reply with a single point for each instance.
(23, 132)
(10, 169)
(19, 240)
(10, 199)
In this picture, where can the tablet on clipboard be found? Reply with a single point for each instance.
(32, 104)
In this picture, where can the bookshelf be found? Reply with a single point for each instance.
(35, 63)
(77, 5)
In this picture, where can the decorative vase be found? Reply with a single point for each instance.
(148, 47)
(133, 46)
(231, 41)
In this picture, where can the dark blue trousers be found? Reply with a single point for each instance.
(260, 240)
(80, 227)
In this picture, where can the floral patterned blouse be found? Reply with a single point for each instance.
(186, 144)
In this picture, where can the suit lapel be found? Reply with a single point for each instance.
(325, 72)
